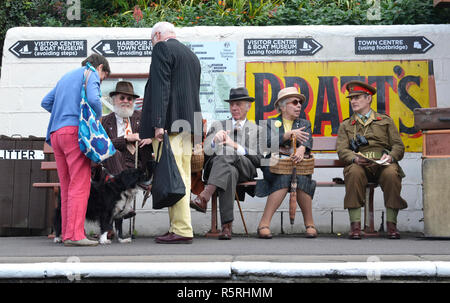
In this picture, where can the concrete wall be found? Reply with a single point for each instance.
(24, 82)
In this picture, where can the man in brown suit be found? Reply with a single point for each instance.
(376, 137)
(122, 126)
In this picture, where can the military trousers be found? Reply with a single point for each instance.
(388, 177)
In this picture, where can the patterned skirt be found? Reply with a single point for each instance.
(273, 182)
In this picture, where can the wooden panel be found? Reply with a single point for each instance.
(6, 185)
(328, 163)
(436, 143)
(324, 143)
(38, 197)
(22, 185)
(48, 165)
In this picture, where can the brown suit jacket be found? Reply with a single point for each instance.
(123, 158)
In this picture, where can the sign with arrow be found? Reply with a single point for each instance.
(281, 47)
(392, 45)
(124, 48)
(49, 48)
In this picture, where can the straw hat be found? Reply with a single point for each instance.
(289, 92)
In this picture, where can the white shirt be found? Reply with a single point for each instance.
(240, 151)
(120, 126)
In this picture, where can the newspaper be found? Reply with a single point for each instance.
(378, 162)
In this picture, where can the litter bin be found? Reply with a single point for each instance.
(435, 126)
(23, 209)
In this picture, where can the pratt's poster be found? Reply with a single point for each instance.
(401, 86)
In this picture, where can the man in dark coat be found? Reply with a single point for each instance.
(232, 156)
(170, 102)
(376, 137)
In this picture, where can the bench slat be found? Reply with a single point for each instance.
(48, 165)
(40, 185)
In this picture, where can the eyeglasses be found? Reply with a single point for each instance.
(129, 98)
(295, 102)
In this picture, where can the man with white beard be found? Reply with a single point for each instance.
(122, 127)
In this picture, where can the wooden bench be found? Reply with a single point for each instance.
(49, 166)
(320, 144)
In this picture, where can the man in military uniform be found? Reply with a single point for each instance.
(376, 137)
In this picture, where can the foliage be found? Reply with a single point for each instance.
(31, 13)
(145, 13)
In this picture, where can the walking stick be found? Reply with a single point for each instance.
(293, 189)
(133, 220)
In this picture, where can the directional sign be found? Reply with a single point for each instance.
(392, 45)
(49, 48)
(124, 48)
(281, 47)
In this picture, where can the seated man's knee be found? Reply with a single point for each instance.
(390, 173)
(354, 170)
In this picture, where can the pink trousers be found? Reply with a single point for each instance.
(74, 172)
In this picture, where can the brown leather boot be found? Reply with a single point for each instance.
(355, 231)
(392, 231)
(225, 234)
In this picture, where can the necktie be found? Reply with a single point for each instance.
(128, 131)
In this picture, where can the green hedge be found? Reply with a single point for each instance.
(145, 13)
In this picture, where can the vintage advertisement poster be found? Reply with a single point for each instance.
(401, 86)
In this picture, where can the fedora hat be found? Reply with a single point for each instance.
(239, 94)
(124, 87)
(356, 88)
(289, 92)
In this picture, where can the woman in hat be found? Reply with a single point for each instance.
(275, 186)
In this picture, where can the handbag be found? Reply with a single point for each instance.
(168, 186)
(93, 140)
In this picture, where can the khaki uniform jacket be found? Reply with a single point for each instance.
(383, 137)
(379, 130)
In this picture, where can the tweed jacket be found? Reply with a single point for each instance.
(247, 138)
(172, 90)
(127, 160)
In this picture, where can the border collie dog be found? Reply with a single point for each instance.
(110, 200)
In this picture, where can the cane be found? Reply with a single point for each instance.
(293, 189)
(133, 220)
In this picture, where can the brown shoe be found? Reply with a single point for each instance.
(311, 232)
(225, 234)
(355, 231)
(199, 204)
(264, 236)
(172, 238)
(392, 231)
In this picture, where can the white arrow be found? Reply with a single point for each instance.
(318, 46)
(12, 50)
(94, 48)
(430, 44)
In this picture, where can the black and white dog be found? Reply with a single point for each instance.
(110, 200)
